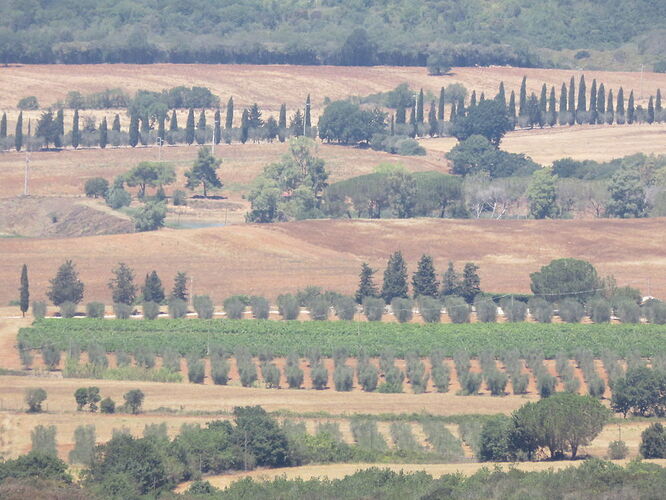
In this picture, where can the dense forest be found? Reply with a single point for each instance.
(349, 32)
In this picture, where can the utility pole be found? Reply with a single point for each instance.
(26, 175)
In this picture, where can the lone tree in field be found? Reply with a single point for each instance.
(153, 291)
(122, 285)
(24, 291)
(395, 278)
(65, 286)
(134, 400)
(179, 290)
(204, 172)
(424, 281)
(149, 174)
(564, 278)
(366, 285)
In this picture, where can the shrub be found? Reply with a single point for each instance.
(373, 308)
(572, 385)
(655, 312)
(596, 387)
(653, 442)
(600, 311)
(195, 369)
(271, 375)
(51, 356)
(234, 307)
(514, 310)
(95, 310)
(457, 309)
(343, 377)
(319, 309)
(368, 377)
(67, 309)
(44, 440)
(122, 359)
(177, 308)
(440, 377)
(171, 360)
(151, 310)
(294, 376)
(150, 216)
(261, 308)
(471, 383)
(179, 198)
(431, 310)
(541, 310)
(345, 308)
(319, 375)
(571, 311)
(107, 405)
(247, 370)
(34, 399)
(219, 369)
(393, 379)
(486, 309)
(26, 356)
(204, 307)
(97, 356)
(122, 311)
(519, 382)
(134, 401)
(288, 306)
(28, 103)
(617, 450)
(629, 312)
(39, 309)
(496, 382)
(144, 358)
(546, 384)
(402, 309)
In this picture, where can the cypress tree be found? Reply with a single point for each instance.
(400, 115)
(512, 110)
(366, 285)
(572, 101)
(440, 104)
(412, 116)
(610, 113)
(282, 122)
(450, 282)
(419, 107)
(657, 107)
(3, 126)
(29, 129)
(145, 130)
(552, 112)
(564, 110)
(543, 100)
(392, 124)
(161, 128)
(650, 111)
(460, 107)
(483, 97)
(522, 108)
(631, 109)
(103, 133)
(453, 113)
(189, 127)
(116, 123)
(217, 131)
(60, 122)
(593, 103)
(229, 121)
(308, 120)
(201, 128)
(472, 99)
(133, 131)
(179, 290)
(18, 135)
(432, 120)
(501, 95)
(76, 139)
(601, 104)
(123, 289)
(471, 283)
(424, 280)
(619, 109)
(24, 291)
(153, 291)
(245, 126)
(581, 109)
(173, 124)
(395, 278)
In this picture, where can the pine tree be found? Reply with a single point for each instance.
(161, 129)
(217, 131)
(173, 124)
(619, 109)
(282, 122)
(245, 127)
(419, 107)
(116, 123)
(631, 109)
(450, 282)
(254, 117)
(564, 110)
(153, 291)
(201, 128)
(76, 139)
(522, 108)
(179, 290)
(512, 110)
(189, 127)
(440, 104)
(395, 278)
(123, 289)
(400, 115)
(103, 133)
(229, 120)
(610, 112)
(552, 112)
(3, 126)
(296, 123)
(24, 291)
(601, 104)
(581, 109)
(18, 135)
(650, 111)
(134, 131)
(424, 280)
(366, 285)
(472, 99)
(572, 101)
(471, 283)
(501, 95)
(308, 119)
(432, 120)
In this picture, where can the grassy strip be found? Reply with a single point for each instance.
(121, 373)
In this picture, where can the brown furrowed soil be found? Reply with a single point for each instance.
(256, 259)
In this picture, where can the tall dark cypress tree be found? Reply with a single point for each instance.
(432, 121)
(29, 129)
(18, 135)
(189, 127)
(201, 128)
(543, 100)
(76, 135)
(472, 99)
(419, 107)
(658, 116)
(400, 115)
(412, 116)
(482, 97)
(601, 104)
(572, 101)
(245, 126)
(392, 124)
(395, 278)
(103, 134)
(453, 113)
(650, 111)
(460, 107)
(161, 128)
(564, 109)
(450, 281)
(440, 104)
(60, 122)
(581, 108)
(173, 124)
(145, 130)
(366, 284)
(610, 110)
(631, 109)
(593, 103)
(424, 280)
(116, 123)
(501, 95)
(522, 107)
(133, 131)
(153, 290)
(512, 110)
(217, 131)
(552, 111)
(282, 122)
(308, 119)
(3, 126)
(24, 291)
(620, 117)
(229, 121)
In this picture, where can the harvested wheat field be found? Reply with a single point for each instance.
(254, 259)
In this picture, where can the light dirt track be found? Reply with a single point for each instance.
(273, 259)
